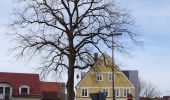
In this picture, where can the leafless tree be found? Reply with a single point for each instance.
(64, 32)
(148, 90)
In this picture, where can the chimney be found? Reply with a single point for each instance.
(95, 56)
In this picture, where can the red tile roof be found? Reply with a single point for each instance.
(52, 87)
(52, 90)
(19, 79)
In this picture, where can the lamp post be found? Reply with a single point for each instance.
(113, 64)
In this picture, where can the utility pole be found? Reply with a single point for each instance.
(113, 64)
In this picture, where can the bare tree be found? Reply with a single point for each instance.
(67, 31)
(148, 90)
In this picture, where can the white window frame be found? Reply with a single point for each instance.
(99, 76)
(125, 92)
(106, 90)
(24, 86)
(83, 90)
(117, 90)
(110, 76)
(5, 85)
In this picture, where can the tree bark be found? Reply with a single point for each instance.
(70, 81)
(70, 84)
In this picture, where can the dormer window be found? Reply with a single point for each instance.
(1, 90)
(5, 91)
(24, 90)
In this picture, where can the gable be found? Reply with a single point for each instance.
(90, 79)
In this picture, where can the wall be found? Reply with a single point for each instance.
(132, 75)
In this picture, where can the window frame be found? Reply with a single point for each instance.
(7, 93)
(7, 90)
(110, 73)
(24, 91)
(117, 91)
(126, 92)
(99, 76)
(2, 91)
(26, 87)
(107, 90)
(84, 92)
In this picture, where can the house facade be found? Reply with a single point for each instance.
(22, 86)
(99, 79)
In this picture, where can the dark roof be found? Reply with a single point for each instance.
(19, 79)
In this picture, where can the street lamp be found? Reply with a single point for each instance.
(113, 64)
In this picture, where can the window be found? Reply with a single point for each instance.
(106, 91)
(7, 93)
(24, 90)
(110, 76)
(84, 92)
(126, 92)
(117, 92)
(1, 90)
(99, 76)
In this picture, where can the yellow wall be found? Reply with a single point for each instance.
(96, 90)
(119, 80)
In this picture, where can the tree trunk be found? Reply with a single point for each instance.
(70, 81)
(70, 85)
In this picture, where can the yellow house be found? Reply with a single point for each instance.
(99, 79)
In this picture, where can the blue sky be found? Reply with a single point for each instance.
(152, 20)
(152, 60)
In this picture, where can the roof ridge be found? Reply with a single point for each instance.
(52, 82)
(18, 73)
